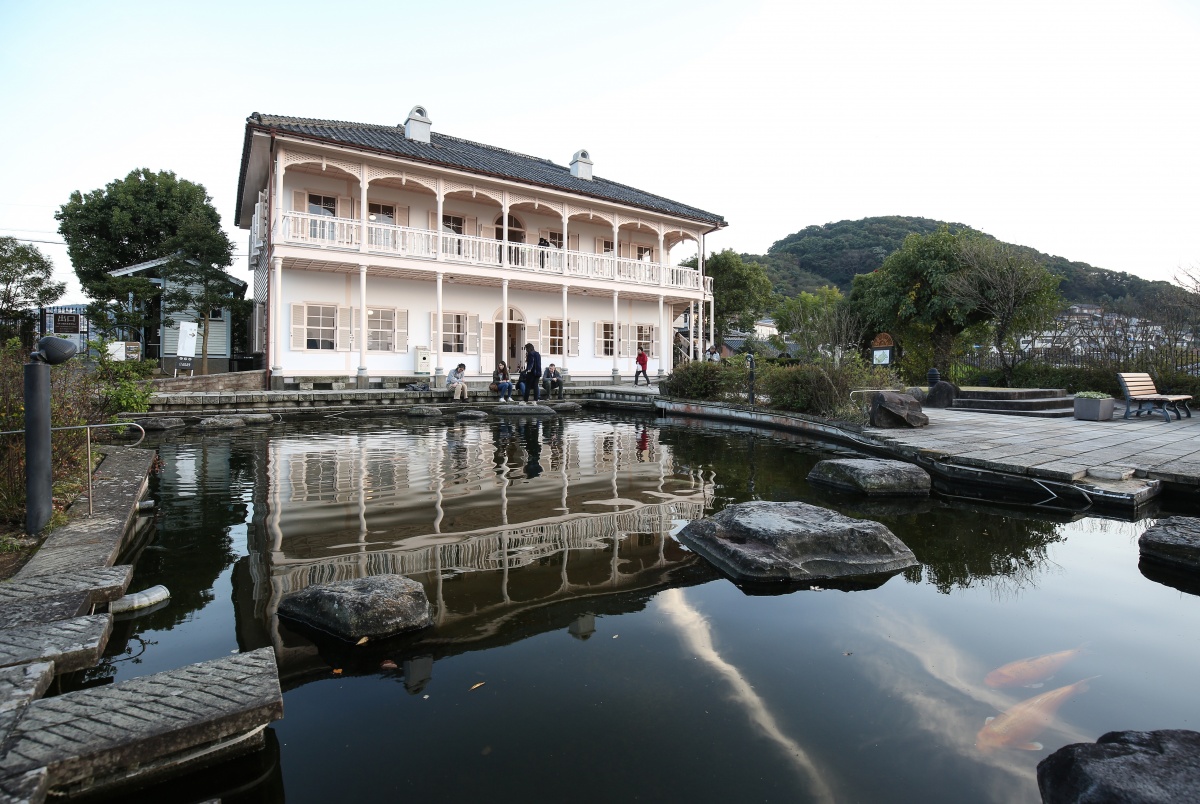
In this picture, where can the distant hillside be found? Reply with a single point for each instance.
(833, 253)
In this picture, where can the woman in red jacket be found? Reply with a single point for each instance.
(642, 360)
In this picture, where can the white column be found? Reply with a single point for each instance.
(566, 334)
(566, 238)
(712, 321)
(504, 229)
(664, 343)
(700, 306)
(436, 335)
(504, 322)
(275, 294)
(691, 330)
(616, 369)
(437, 228)
(616, 252)
(362, 326)
(662, 262)
(362, 213)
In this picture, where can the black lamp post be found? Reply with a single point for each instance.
(750, 366)
(39, 480)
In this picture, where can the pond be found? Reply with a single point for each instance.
(581, 654)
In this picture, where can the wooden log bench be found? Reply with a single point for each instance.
(1139, 388)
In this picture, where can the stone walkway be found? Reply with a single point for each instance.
(1057, 449)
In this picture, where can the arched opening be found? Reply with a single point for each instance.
(510, 349)
(516, 229)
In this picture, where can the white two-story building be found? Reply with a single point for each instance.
(391, 251)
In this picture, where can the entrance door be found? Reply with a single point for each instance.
(513, 352)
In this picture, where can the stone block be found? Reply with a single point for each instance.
(873, 477)
(376, 607)
(1132, 767)
(1174, 541)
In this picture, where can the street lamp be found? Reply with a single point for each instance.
(39, 480)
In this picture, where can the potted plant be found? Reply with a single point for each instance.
(1093, 406)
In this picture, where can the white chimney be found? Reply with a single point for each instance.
(581, 166)
(417, 126)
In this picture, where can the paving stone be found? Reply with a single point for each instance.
(19, 686)
(32, 610)
(71, 644)
(146, 725)
(1059, 470)
(101, 583)
(1110, 472)
(25, 788)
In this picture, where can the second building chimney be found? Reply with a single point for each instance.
(581, 166)
(418, 124)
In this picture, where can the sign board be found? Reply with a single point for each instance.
(133, 350)
(116, 350)
(66, 323)
(187, 339)
(184, 363)
(881, 357)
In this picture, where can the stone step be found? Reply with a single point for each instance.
(1012, 404)
(1052, 413)
(106, 737)
(102, 584)
(71, 644)
(1012, 393)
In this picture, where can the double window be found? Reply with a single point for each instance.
(330, 327)
(320, 327)
(454, 332)
(381, 329)
(555, 336)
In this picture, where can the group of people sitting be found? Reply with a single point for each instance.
(530, 378)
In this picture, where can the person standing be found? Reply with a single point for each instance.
(642, 361)
(532, 375)
(457, 383)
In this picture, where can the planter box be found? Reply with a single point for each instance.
(1094, 410)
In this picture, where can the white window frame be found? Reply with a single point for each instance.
(606, 339)
(377, 335)
(342, 330)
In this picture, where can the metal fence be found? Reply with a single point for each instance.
(1153, 361)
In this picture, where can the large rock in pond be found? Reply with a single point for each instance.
(873, 477)
(471, 414)
(220, 423)
(567, 407)
(1132, 767)
(258, 418)
(418, 411)
(793, 541)
(165, 423)
(1174, 541)
(890, 409)
(941, 395)
(523, 410)
(376, 607)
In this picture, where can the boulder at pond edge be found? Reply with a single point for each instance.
(1132, 767)
(891, 409)
(942, 395)
(874, 477)
(759, 542)
(1174, 541)
(376, 607)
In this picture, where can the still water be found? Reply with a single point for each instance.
(581, 654)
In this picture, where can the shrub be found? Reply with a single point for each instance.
(121, 385)
(823, 389)
(705, 380)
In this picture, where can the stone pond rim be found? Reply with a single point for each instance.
(794, 542)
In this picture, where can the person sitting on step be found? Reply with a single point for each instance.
(552, 381)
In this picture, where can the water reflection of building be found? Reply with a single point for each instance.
(493, 518)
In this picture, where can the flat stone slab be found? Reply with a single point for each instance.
(418, 411)
(523, 410)
(257, 418)
(795, 541)
(567, 407)
(471, 414)
(1110, 472)
(1174, 541)
(19, 686)
(1133, 767)
(101, 584)
(25, 788)
(146, 725)
(376, 607)
(32, 610)
(71, 644)
(875, 478)
(221, 423)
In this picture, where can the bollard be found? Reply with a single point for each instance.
(39, 478)
(750, 366)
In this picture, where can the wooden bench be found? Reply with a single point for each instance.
(1139, 388)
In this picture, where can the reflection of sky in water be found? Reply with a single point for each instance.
(706, 694)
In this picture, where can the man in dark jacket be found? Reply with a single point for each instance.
(532, 374)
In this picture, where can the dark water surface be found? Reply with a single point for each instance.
(615, 665)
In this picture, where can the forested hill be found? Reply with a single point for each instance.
(833, 253)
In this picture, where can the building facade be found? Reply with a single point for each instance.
(383, 252)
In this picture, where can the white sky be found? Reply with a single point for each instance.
(1067, 126)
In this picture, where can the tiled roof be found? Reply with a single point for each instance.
(485, 159)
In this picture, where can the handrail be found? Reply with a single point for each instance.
(89, 428)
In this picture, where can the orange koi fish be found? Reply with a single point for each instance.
(1032, 671)
(1014, 728)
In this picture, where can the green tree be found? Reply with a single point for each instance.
(1007, 285)
(908, 294)
(25, 283)
(741, 291)
(822, 323)
(196, 280)
(128, 221)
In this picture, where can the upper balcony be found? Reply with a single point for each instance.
(346, 234)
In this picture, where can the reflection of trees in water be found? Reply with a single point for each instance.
(961, 547)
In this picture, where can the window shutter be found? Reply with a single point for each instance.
(598, 344)
(402, 216)
(533, 334)
(654, 339)
(543, 344)
(435, 337)
(599, 245)
(573, 338)
(471, 226)
(345, 333)
(402, 330)
(299, 325)
(544, 234)
(434, 224)
(623, 341)
(472, 334)
(345, 207)
(624, 249)
(573, 242)
(357, 330)
(299, 201)
(487, 346)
